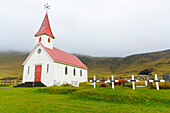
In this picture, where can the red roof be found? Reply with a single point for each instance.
(45, 28)
(61, 56)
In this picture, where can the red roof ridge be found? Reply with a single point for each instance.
(45, 28)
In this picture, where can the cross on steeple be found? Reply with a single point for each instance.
(46, 6)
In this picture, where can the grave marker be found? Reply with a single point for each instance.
(157, 81)
(166, 77)
(146, 83)
(133, 82)
(57, 83)
(143, 78)
(147, 77)
(118, 76)
(75, 83)
(112, 81)
(94, 82)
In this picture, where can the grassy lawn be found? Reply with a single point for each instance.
(84, 99)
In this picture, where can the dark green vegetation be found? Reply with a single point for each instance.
(84, 99)
(158, 62)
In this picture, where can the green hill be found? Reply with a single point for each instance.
(158, 61)
(11, 63)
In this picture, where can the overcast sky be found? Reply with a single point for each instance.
(93, 27)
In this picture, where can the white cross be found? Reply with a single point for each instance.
(146, 83)
(94, 82)
(157, 81)
(113, 81)
(133, 82)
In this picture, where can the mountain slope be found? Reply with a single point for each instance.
(159, 61)
(11, 63)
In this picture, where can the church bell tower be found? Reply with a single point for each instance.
(45, 35)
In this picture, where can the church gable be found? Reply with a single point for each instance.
(39, 52)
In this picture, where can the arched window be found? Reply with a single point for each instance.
(81, 73)
(28, 69)
(40, 39)
(47, 68)
(48, 40)
(74, 72)
(66, 70)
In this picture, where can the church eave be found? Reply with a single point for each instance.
(70, 65)
(44, 34)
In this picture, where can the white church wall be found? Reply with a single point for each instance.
(39, 59)
(44, 41)
(61, 77)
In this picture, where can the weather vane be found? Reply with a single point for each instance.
(47, 7)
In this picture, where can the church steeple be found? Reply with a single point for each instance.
(45, 28)
(44, 34)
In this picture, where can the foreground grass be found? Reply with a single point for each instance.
(82, 99)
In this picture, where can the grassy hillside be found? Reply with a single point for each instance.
(159, 61)
(11, 63)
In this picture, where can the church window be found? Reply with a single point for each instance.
(47, 68)
(81, 73)
(40, 39)
(28, 69)
(74, 72)
(48, 40)
(66, 70)
(39, 51)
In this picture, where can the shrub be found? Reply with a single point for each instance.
(121, 82)
(162, 85)
(146, 71)
(59, 90)
(85, 85)
(128, 85)
(103, 85)
(69, 85)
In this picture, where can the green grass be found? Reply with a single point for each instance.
(84, 99)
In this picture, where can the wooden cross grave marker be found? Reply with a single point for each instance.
(94, 82)
(133, 82)
(113, 81)
(156, 81)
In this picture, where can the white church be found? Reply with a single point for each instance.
(48, 65)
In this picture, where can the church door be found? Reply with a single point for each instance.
(38, 73)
